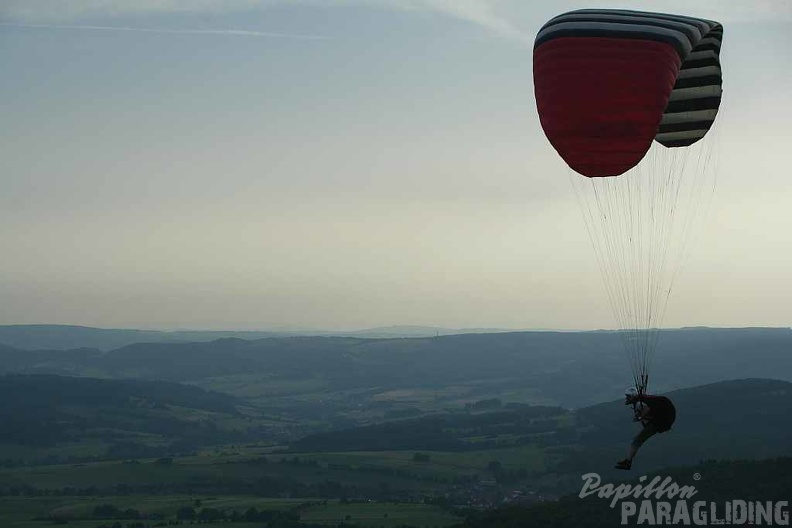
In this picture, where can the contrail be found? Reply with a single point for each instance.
(233, 32)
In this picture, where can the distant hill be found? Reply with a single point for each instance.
(571, 369)
(419, 331)
(64, 337)
(67, 362)
(443, 432)
(127, 417)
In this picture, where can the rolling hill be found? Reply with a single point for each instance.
(746, 418)
(570, 369)
(115, 418)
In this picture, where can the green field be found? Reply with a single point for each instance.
(256, 386)
(372, 514)
(217, 471)
(440, 464)
(20, 511)
(252, 462)
(34, 511)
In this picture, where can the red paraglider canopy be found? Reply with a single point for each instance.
(603, 80)
(607, 128)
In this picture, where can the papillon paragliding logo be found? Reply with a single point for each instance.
(661, 501)
(628, 99)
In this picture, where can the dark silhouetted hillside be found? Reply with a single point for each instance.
(747, 418)
(727, 420)
(47, 410)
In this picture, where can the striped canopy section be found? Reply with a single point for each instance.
(609, 82)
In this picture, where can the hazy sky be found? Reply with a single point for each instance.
(246, 164)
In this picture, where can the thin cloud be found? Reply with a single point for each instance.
(490, 14)
(54, 11)
(232, 32)
(481, 13)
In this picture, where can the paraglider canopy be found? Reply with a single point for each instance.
(609, 82)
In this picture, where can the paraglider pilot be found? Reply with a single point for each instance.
(656, 414)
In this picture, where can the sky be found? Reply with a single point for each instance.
(254, 164)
